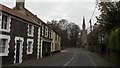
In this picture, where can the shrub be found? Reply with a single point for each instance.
(114, 40)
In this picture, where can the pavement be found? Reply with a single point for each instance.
(100, 60)
(69, 57)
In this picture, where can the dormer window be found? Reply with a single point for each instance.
(30, 30)
(5, 24)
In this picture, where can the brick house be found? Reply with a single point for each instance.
(18, 36)
(23, 35)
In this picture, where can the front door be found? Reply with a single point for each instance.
(18, 51)
(43, 49)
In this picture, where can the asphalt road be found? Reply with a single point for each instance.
(67, 57)
(71, 57)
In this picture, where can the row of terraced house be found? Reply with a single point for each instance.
(24, 36)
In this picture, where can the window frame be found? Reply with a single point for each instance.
(31, 48)
(46, 31)
(43, 30)
(50, 33)
(8, 22)
(7, 44)
(32, 30)
(55, 36)
(3, 45)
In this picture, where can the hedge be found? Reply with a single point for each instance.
(114, 40)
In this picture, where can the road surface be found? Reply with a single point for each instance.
(67, 57)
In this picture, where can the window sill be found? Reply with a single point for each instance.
(29, 52)
(3, 54)
(30, 35)
(5, 30)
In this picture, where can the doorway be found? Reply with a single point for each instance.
(18, 49)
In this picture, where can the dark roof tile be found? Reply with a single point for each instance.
(18, 14)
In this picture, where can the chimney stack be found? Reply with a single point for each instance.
(20, 4)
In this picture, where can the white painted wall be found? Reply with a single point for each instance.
(56, 43)
(38, 47)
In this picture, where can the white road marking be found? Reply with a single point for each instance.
(71, 58)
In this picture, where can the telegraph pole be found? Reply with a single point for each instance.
(90, 26)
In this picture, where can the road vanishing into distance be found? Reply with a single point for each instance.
(67, 57)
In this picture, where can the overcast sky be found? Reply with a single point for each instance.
(72, 10)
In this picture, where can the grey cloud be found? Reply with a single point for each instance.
(72, 11)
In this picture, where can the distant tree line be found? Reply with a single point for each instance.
(69, 32)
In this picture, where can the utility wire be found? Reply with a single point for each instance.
(94, 11)
(92, 16)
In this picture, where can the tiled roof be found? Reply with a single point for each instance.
(18, 14)
(30, 17)
(55, 28)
